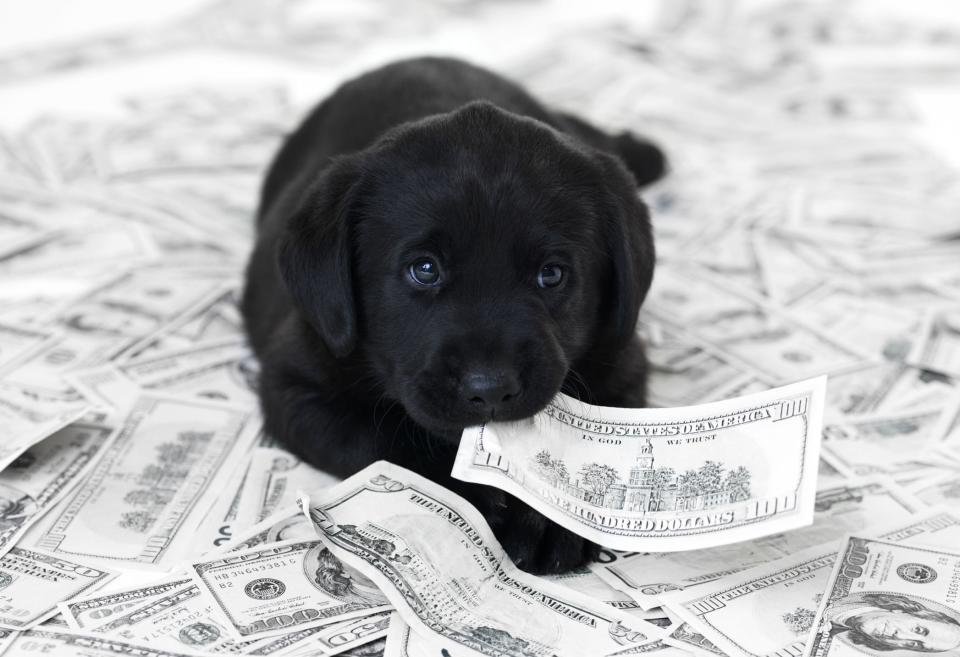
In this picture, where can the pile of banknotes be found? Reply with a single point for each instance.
(808, 228)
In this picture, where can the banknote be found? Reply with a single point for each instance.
(98, 326)
(52, 643)
(23, 424)
(944, 489)
(682, 373)
(180, 620)
(790, 268)
(42, 475)
(585, 581)
(33, 582)
(332, 639)
(768, 610)
(213, 317)
(273, 480)
(91, 611)
(881, 330)
(349, 634)
(218, 526)
(147, 491)
(939, 348)
(698, 476)
(687, 637)
(829, 476)
(438, 563)
(887, 387)
(282, 526)
(222, 369)
(104, 386)
(102, 241)
(6, 638)
(850, 506)
(19, 342)
(401, 641)
(886, 443)
(887, 597)
(748, 331)
(280, 587)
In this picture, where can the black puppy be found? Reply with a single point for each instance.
(437, 249)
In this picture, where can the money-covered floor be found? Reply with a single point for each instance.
(809, 226)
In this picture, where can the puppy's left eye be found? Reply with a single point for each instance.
(550, 276)
(425, 272)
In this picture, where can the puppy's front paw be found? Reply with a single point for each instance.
(539, 545)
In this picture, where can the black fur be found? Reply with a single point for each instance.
(435, 157)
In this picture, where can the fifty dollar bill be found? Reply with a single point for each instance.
(439, 564)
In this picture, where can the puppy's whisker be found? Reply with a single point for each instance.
(577, 383)
(386, 412)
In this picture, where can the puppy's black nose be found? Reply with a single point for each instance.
(489, 390)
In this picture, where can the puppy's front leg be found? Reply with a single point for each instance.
(535, 543)
(341, 436)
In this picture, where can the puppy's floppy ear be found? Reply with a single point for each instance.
(315, 254)
(630, 246)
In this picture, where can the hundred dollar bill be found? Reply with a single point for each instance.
(939, 349)
(660, 647)
(347, 635)
(152, 485)
(401, 641)
(324, 640)
(275, 529)
(889, 598)
(887, 443)
(768, 610)
(682, 372)
(888, 387)
(25, 424)
(32, 583)
(660, 479)
(54, 643)
(750, 332)
(89, 612)
(108, 319)
(282, 587)
(838, 510)
(18, 342)
(943, 489)
(183, 619)
(589, 583)
(688, 638)
(42, 475)
(439, 564)
(6, 638)
(272, 482)
(214, 317)
(225, 370)
(218, 526)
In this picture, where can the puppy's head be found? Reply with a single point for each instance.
(470, 259)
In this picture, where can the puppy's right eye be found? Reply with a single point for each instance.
(425, 272)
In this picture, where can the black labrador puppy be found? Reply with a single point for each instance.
(437, 249)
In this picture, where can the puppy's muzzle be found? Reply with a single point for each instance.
(489, 390)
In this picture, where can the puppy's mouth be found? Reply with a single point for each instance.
(447, 417)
